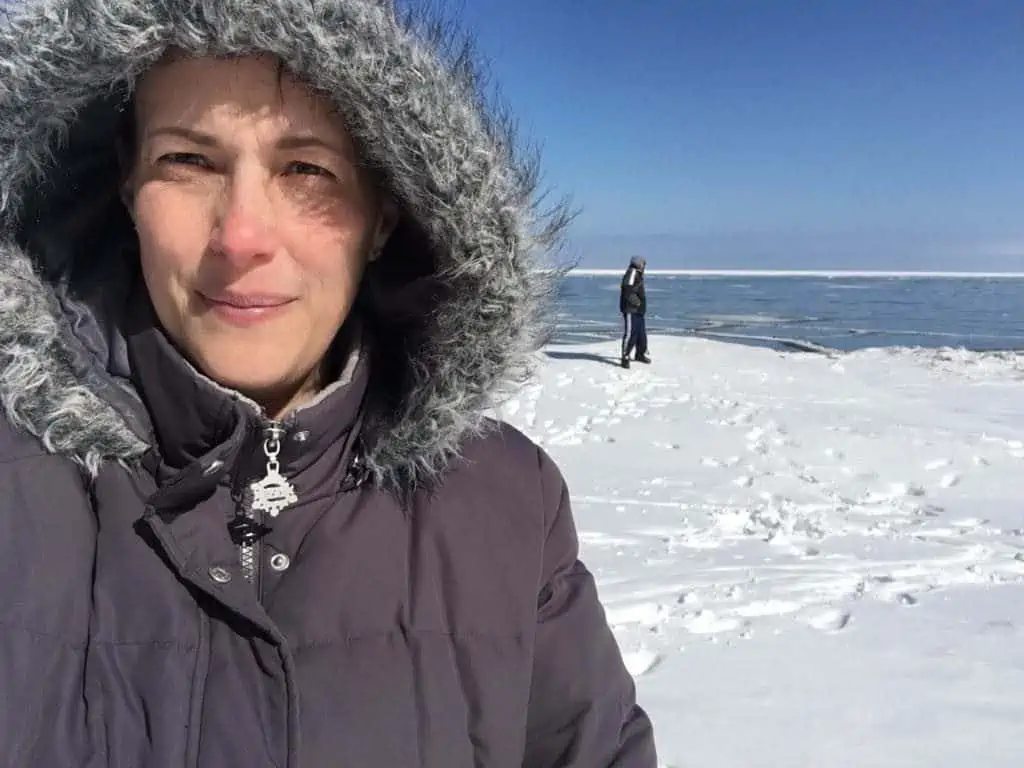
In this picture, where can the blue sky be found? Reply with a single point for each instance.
(774, 133)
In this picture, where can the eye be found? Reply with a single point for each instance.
(308, 169)
(185, 158)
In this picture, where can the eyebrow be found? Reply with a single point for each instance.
(297, 141)
(196, 137)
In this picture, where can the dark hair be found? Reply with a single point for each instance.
(125, 136)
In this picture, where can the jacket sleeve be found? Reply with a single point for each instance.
(583, 711)
(631, 293)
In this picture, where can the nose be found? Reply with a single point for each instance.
(244, 231)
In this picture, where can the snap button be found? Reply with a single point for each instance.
(213, 467)
(220, 575)
(280, 561)
(301, 436)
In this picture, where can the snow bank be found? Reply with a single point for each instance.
(807, 560)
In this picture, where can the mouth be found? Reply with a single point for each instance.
(247, 300)
(245, 308)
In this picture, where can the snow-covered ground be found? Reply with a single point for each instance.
(807, 560)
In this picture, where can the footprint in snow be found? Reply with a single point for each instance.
(949, 480)
(688, 598)
(895, 491)
(832, 620)
(905, 598)
(740, 419)
(755, 434)
(707, 623)
(807, 477)
(641, 662)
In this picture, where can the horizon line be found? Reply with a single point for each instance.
(608, 272)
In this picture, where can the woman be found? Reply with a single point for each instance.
(263, 267)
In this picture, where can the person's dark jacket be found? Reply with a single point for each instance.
(632, 298)
(422, 603)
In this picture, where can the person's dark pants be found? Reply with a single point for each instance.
(634, 334)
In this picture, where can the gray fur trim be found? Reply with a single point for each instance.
(410, 96)
(38, 390)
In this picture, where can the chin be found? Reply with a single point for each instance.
(244, 371)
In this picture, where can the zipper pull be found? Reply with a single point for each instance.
(273, 493)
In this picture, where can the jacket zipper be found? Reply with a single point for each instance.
(266, 496)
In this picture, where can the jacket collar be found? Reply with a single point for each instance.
(196, 421)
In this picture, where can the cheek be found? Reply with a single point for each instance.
(171, 231)
(333, 268)
(331, 255)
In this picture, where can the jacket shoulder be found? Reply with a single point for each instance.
(512, 468)
(502, 445)
(17, 444)
(24, 459)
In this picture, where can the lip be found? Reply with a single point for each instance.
(245, 309)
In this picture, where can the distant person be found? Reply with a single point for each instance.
(633, 306)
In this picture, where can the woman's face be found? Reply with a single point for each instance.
(254, 221)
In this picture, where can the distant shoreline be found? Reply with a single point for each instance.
(797, 273)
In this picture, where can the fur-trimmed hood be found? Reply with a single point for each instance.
(455, 303)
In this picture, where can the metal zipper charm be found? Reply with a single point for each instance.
(273, 493)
